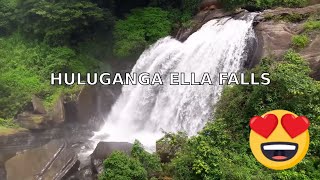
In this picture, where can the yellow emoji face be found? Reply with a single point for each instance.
(279, 139)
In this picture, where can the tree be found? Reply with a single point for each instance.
(151, 162)
(61, 22)
(7, 16)
(141, 28)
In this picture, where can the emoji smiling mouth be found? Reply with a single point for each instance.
(279, 151)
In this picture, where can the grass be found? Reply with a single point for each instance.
(312, 25)
(8, 123)
(71, 92)
(294, 17)
(4, 131)
(300, 41)
(8, 127)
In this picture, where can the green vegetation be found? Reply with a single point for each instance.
(141, 165)
(120, 166)
(150, 162)
(263, 4)
(7, 17)
(26, 70)
(61, 22)
(171, 144)
(300, 41)
(312, 25)
(8, 126)
(8, 131)
(38, 38)
(141, 28)
(288, 17)
(223, 144)
(8, 123)
(221, 150)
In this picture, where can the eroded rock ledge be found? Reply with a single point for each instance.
(275, 34)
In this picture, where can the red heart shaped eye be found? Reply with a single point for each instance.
(295, 126)
(264, 126)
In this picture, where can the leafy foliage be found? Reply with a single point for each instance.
(312, 25)
(300, 41)
(7, 16)
(122, 167)
(140, 165)
(223, 144)
(150, 162)
(57, 23)
(263, 4)
(171, 144)
(141, 28)
(8, 123)
(26, 69)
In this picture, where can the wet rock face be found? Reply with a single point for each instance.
(51, 161)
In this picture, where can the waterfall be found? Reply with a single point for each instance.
(143, 112)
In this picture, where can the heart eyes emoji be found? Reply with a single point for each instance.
(292, 125)
(295, 126)
(264, 126)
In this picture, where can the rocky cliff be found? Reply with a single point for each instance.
(276, 29)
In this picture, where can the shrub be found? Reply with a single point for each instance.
(122, 167)
(8, 123)
(150, 162)
(171, 144)
(141, 28)
(312, 25)
(300, 41)
(26, 69)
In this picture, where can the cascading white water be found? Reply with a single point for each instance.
(143, 111)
